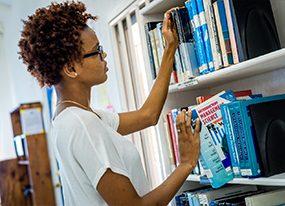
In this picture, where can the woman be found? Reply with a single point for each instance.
(97, 165)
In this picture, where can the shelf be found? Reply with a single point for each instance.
(262, 64)
(23, 162)
(275, 180)
(161, 6)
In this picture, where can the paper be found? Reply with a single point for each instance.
(31, 121)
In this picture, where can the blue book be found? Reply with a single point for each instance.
(197, 33)
(212, 137)
(238, 131)
(236, 141)
(193, 197)
(232, 146)
(248, 131)
(223, 32)
(177, 201)
(205, 35)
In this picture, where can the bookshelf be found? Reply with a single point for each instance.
(253, 67)
(35, 157)
(255, 71)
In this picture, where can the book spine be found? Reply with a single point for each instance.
(174, 78)
(181, 38)
(152, 66)
(223, 33)
(213, 35)
(178, 65)
(159, 49)
(160, 35)
(173, 135)
(237, 138)
(236, 29)
(238, 124)
(201, 54)
(154, 51)
(205, 35)
(249, 136)
(230, 139)
(169, 142)
(220, 35)
(231, 31)
(247, 165)
(187, 50)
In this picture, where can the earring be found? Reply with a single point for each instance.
(75, 74)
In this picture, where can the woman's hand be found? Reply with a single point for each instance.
(169, 31)
(189, 143)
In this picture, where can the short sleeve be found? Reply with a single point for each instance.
(111, 118)
(96, 149)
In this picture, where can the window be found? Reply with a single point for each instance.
(134, 82)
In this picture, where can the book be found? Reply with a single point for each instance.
(231, 28)
(268, 126)
(237, 33)
(226, 192)
(205, 35)
(154, 50)
(172, 119)
(148, 27)
(236, 199)
(186, 44)
(255, 26)
(218, 166)
(197, 33)
(213, 35)
(272, 198)
(169, 142)
(160, 36)
(243, 94)
(233, 135)
(235, 156)
(248, 163)
(223, 32)
(179, 67)
(159, 46)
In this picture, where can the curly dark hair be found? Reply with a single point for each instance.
(51, 39)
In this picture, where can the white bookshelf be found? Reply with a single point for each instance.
(230, 77)
(161, 6)
(275, 180)
(259, 65)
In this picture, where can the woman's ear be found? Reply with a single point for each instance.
(69, 71)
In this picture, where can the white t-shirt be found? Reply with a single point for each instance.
(85, 146)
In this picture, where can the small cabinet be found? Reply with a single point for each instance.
(31, 148)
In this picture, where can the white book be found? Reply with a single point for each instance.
(272, 198)
(231, 31)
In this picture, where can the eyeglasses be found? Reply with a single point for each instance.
(99, 51)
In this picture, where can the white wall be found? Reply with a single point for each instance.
(18, 86)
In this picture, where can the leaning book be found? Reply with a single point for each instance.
(213, 142)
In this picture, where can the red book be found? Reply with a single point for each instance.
(238, 95)
(173, 135)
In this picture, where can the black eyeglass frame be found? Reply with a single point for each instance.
(99, 51)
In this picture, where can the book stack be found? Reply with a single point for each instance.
(214, 34)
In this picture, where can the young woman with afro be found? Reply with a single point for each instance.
(98, 166)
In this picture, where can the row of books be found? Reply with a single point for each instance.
(231, 195)
(242, 135)
(213, 35)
